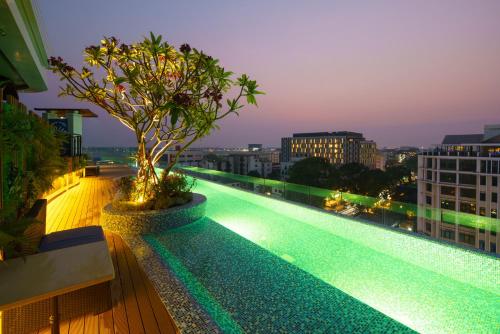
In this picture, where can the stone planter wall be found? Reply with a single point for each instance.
(153, 221)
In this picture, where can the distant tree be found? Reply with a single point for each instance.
(411, 165)
(311, 171)
(167, 97)
(253, 173)
(275, 175)
(372, 182)
(347, 177)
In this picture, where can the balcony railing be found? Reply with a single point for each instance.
(472, 154)
(72, 145)
(371, 209)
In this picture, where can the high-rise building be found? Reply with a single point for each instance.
(461, 176)
(339, 147)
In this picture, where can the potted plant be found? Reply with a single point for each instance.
(168, 97)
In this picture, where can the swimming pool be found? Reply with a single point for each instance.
(257, 264)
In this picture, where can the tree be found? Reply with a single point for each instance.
(253, 173)
(167, 97)
(347, 177)
(310, 171)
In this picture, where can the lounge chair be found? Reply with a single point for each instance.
(67, 260)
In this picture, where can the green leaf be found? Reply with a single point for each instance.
(174, 117)
(119, 80)
(251, 99)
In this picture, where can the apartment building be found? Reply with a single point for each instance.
(457, 180)
(190, 157)
(246, 162)
(339, 147)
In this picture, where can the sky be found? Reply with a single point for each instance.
(401, 72)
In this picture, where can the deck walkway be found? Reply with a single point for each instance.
(137, 308)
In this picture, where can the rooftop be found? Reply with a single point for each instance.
(64, 111)
(491, 135)
(329, 134)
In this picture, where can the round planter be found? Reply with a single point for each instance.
(153, 221)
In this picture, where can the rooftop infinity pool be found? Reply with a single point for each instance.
(260, 265)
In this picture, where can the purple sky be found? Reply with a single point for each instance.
(401, 72)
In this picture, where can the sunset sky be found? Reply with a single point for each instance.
(401, 72)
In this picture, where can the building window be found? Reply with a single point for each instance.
(429, 175)
(428, 186)
(469, 193)
(447, 234)
(467, 179)
(493, 247)
(482, 196)
(429, 162)
(481, 230)
(449, 191)
(448, 177)
(466, 238)
(467, 165)
(428, 200)
(494, 197)
(428, 227)
(448, 164)
(481, 245)
(482, 180)
(494, 167)
(467, 207)
(482, 211)
(448, 205)
(493, 213)
(483, 166)
(494, 181)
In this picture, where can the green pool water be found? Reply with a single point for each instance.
(425, 285)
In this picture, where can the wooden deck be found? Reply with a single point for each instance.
(137, 308)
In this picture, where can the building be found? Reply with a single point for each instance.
(341, 147)
(394, 156)
(23, 57)
(461, 176)
(23, 65)
(247, 162)
(70, 123)
(380, 160)
(254, 147)
(190, 157)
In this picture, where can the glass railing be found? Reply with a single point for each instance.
(376, 210)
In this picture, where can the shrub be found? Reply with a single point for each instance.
(172, 189)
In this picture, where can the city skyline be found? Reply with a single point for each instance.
(402, 74)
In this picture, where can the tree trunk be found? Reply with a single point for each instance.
(146, 175)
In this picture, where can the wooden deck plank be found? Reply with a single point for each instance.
(148, 318)
(119, 311)
(77, 325)
(137, 308)
(162, 316)
(91, 324)
(133, 314)
(72, 201)
(106, 323)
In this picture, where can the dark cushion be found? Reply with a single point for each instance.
(70, 238)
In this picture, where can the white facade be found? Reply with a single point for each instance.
(463, 178)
